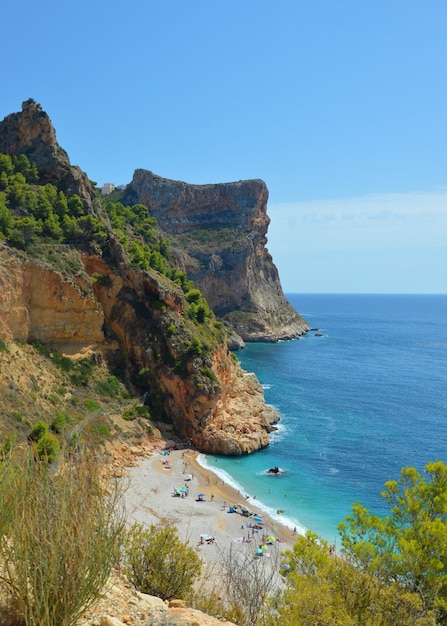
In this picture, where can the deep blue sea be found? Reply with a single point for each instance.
(357, 404)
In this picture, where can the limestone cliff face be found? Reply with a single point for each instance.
(140, 315)
(219, 234)
(222, 412)
(31, 132)
(38, 305)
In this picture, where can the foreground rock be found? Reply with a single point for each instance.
(122, 605)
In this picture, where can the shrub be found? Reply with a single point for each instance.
(63, 538)
(83, 369)
(109, 387)
(133, 412)
(58, 423)
(39, 429)
(142, 377)
(157, 562)
(91, 405)
(48, 447)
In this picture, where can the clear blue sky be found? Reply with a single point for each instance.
(340, 106)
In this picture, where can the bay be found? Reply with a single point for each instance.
(357, 404)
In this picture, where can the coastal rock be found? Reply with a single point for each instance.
(219, 237)
(223, 414)
(112, 314)
(95, 303)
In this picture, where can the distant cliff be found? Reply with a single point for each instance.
(219, 238)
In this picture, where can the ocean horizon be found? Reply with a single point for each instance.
(359, 400)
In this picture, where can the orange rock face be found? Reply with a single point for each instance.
(38, 305)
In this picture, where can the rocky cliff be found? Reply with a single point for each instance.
(32, 133)
(89, 299)
(219, 238)
(139, 315)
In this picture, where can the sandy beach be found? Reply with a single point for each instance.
(176, 490)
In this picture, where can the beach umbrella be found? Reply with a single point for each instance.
(258, 519)
(183, 490)
(188, 477)
(263, 547)
(201, 495)
(258, 551)
(271, 538)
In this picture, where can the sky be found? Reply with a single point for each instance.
(338, 105)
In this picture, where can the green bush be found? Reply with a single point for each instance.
(109, 387)
(39, 429)
(48, 447)
(91, 405)
(133, 412)
(82, 370)
(58, 423)
(142, 377)
(207, 372)
(157, 562)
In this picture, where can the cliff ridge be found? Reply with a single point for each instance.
(218, 233)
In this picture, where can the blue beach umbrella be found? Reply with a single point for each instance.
(258, 519)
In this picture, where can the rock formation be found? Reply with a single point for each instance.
(38, 305)
(31, 132)
(219, 237)
(90, 298)
(209, 398)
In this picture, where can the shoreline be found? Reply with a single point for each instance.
(153, 497)
(277, 516)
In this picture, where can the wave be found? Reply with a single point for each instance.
(279, 433)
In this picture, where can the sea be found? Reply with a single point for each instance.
(360, 398)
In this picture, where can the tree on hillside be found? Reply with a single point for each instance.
(407, 548)
(392, 571)
(326, 590)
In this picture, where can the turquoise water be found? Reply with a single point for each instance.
(357, 404)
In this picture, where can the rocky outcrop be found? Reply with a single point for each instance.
(31, 132)
(119, 311)
(219, 237)
(218, 231)
(208, 398)
(121, 604)
(38, 305)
